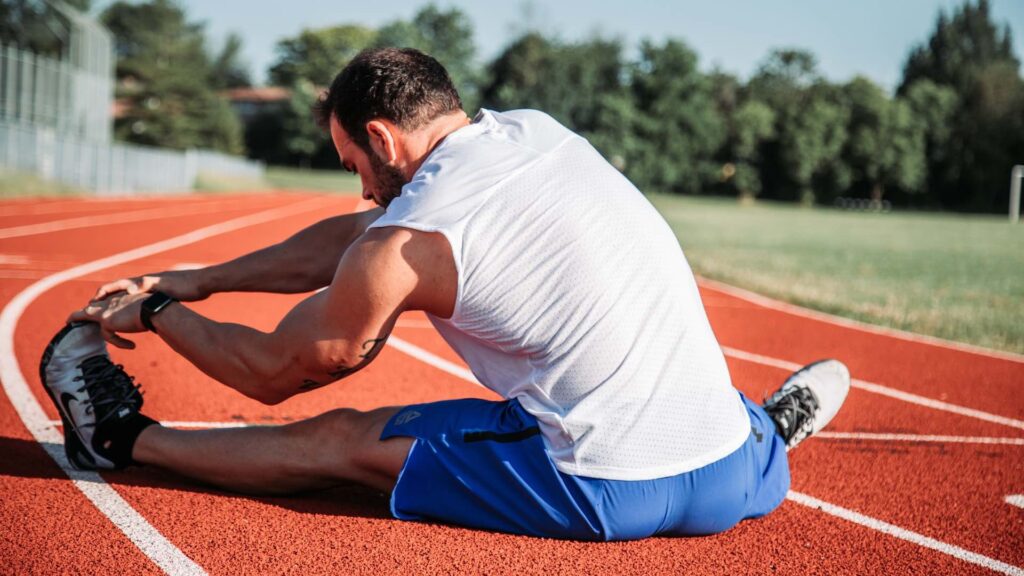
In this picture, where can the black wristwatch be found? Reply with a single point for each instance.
(151, 307)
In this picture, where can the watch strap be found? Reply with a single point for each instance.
(151, 307)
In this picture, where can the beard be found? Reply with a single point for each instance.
(389, 180)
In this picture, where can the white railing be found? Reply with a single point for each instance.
(112, 168)
(48, 92)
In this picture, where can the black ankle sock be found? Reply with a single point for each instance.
(115, 440)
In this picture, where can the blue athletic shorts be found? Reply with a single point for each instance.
(483, 464)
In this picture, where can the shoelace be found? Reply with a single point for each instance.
(793, 412)
(109, 387)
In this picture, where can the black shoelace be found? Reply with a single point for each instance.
(110, 388)
(793, 412)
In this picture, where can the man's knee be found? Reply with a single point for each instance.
(345, 443)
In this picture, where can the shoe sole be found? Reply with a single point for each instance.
(74, 448)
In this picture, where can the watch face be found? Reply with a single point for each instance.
(157, 301)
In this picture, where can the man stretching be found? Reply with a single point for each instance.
(545, 270)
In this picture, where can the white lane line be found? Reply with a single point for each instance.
(885, 437)
(115, 218)
(432, 359)
(904, 534)
(883, 390)
(149, 540)
(884, 527)
(800, 311)
(1015, 500)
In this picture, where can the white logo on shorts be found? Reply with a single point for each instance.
(407, 417)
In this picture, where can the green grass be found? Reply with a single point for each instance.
(282, 178)
(951, 276)
(21, 185)
(326, 180)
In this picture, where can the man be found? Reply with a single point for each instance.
(540, 264)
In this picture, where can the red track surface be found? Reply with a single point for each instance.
(948, 494)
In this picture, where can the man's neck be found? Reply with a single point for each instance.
(421, 143)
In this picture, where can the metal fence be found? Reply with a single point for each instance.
(112, 168)
(55, 120)
(59, 93)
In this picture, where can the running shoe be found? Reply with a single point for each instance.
(98, 402)
(808, 400)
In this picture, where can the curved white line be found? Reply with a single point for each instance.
(149, 540)
(800, 311)
(904, 534)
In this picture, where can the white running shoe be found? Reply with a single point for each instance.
(96, 400)
(808, 400)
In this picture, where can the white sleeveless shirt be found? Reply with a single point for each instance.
(575, 298)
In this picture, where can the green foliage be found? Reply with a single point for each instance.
(578, 84)
(810, 127)
(886, 145)
(164, 77)
(444, 34)
(959, 48)
(752, 125)
(227, 69)
(968, 53)
(317, 55)
(678, 127)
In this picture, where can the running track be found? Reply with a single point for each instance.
(921, 473)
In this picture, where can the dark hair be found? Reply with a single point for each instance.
(401, 85)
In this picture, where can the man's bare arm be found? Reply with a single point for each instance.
(304, 262)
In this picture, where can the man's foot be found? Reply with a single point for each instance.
(97, 401)
(808, 400)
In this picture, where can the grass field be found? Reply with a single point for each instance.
(952, 276)
(21, 184)
(283, 178)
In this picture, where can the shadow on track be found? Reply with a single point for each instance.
(27, 459)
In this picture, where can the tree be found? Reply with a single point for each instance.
(960, 46)
(968, 53)
(886, 145)
(810, 127)
(581, 85)
(447, 35)
(163, 71)
(288, 134)
(678, 128)
(752, 125)
(227, 70)
(317, 55)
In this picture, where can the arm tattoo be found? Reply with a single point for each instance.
(308, 384)
(374, 347)
(370, 348)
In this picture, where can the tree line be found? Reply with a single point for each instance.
(947, 138)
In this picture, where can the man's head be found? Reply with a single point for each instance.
(375, 108)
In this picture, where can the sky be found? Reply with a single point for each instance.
(849, 37)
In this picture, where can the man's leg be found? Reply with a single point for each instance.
(336, 447)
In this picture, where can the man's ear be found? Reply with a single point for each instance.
(382, 140)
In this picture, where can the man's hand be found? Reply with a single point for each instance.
(117, 313)
(182, 285)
